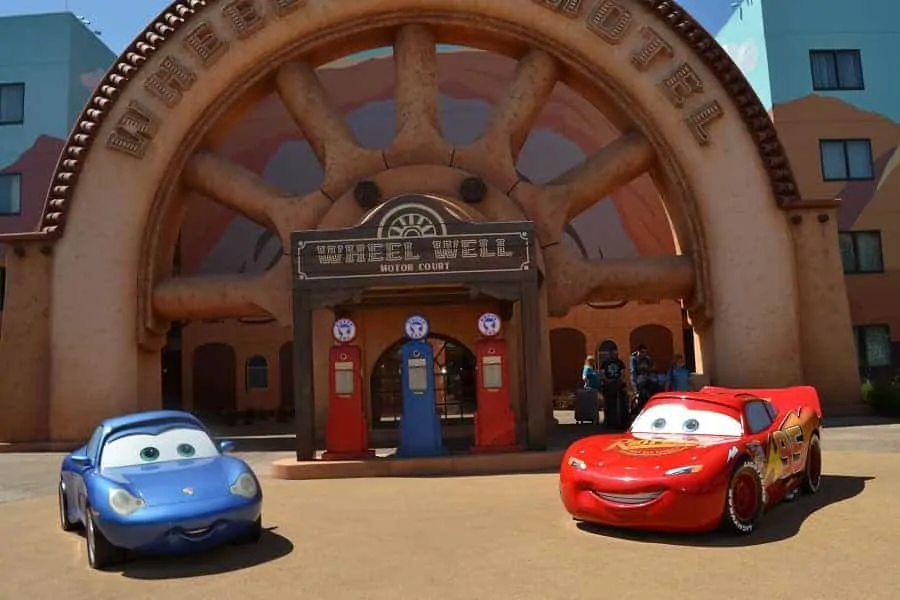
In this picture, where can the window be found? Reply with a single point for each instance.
(10, 194)
(758, 417)
(836, 70)
(846, 160)
(12, 103)
(873, 345)
(257, 373)
(2, 286)
(861, 251)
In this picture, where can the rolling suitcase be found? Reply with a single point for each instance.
(587, 406)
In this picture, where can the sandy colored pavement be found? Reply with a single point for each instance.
(486, 537)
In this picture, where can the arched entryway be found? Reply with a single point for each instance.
(214, 379)
(286, 370)
(659, 341)
(156, 121)
(568, 349)
(454, 379)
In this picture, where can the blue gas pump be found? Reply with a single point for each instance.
(420, 425)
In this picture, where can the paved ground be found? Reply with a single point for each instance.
(483, 537)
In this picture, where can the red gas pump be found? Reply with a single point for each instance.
(346, 433)
(495, 422)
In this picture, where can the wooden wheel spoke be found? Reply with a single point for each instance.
(419, 139)
(572, 280)
(234, 186)
(521, 104)
(226, 296)
(603, 173)
(305, 97)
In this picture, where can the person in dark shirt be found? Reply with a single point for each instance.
(612, 369)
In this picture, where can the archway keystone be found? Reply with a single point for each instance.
(686, 114)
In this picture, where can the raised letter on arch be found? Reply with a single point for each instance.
(134, 130)
(569, 8)
(610, 21)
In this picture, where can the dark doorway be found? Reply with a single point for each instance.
(171, 371)
(568, 349)
(215, 380)
(604, 348)
(286, 370)
(659, 341)
(454, 380)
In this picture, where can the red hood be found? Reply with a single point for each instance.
(641, 456)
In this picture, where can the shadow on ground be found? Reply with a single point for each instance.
(227, 559)
(782, 522)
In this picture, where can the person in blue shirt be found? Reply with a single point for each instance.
(589, 374)
(678, 379)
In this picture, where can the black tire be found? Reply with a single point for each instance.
(253, 535)
(64, 523)
(744, 499)
(812, 479)
(100, 553)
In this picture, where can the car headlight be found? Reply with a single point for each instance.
(684, 470)
(124, 503)
(245, 486)
(577, 463)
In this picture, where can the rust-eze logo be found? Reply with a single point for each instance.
(661, 447)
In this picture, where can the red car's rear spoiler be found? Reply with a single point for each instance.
(784, 399)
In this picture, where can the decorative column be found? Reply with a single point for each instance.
(828, 351)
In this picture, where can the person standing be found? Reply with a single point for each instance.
(678, 379)
(589, 374)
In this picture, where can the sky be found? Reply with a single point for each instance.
(119, 21)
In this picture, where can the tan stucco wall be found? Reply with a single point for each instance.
(25, 346)
(753, 338)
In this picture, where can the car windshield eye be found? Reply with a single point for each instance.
(186, 450)
(149, 454)
(691, 425)
(659, 423)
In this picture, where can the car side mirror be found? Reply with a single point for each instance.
(80, 460)
(226, 446)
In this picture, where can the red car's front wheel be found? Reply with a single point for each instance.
(744, 503)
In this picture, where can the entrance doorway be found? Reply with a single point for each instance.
(454, 382)
(215, 380)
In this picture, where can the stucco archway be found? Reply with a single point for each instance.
(687, 116)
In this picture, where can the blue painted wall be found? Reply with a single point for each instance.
(744, 38)
(873, 27)
(49, 53)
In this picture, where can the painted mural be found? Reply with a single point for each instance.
(630, 223)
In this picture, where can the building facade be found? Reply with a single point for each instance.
(230, 132)
(49, 64)
(827, 74)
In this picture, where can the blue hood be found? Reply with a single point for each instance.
(178, 481)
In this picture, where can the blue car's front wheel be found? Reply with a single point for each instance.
(100, 552)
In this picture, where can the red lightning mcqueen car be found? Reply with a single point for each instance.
(694, 461)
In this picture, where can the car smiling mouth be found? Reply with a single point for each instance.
(635, 500)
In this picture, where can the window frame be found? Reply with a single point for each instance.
(844, 142)
(833, 53)
(854, 236)
(2, 288)
(249, 367)
(17, 176)
(859, 332)
(17, 84)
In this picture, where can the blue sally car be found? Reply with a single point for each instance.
(156, 483)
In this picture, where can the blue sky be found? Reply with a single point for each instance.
(119, 21)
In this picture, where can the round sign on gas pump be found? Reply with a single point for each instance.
(416, 327)
(344, 331)
(489, 324)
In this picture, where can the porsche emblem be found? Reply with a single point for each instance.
(188, 491)
(651, 447)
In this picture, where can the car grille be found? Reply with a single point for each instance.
(629, 499)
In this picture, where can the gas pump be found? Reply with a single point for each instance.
(346, 433)
(420, 426)
(495, 421)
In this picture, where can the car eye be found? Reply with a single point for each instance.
(149, 454)
(691, 425)
(658, 423)
(186, 450)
